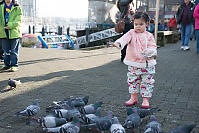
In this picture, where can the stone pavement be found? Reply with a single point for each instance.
(52, 75)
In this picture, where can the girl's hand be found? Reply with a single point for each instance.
(115, 45)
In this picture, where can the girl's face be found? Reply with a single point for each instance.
(139, 25)
(8, 1)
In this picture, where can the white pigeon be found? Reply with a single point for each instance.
(116, 127)
(31, 110)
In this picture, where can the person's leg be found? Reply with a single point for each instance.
(123, 53)
(187, 36)
(147, 85)
(134, 85)
(182, 30)
(1, 51)
(191, 32)
(6, 48)
(15, 44)
(197, 40)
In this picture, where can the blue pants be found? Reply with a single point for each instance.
(185, 33)
(11, 51)
(197, 39)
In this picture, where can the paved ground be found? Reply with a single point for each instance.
(57, 74)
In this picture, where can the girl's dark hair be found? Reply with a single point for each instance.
(142, 15)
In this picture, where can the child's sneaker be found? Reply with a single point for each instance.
(145, 103)
(132, 101)
(14, 69)
(4, 68)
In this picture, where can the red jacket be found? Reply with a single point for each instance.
(172, 23)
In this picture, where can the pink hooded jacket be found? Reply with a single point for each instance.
(196, 16)
(137, 44)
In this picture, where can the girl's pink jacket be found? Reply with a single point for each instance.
(137, 43)
(196, 16)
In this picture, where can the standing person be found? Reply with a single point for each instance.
(10, 33)
(172, 24)
(196, 16)
(140, 58)
(185, 18)
(126, 11)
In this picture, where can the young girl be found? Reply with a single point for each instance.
(140, 58)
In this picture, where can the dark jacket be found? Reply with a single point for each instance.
(180, 12)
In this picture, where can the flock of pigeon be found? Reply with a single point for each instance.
(74, 113)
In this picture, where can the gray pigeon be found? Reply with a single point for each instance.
(133, 120)
(58, 105)
(68, 103)
(153, 126)
(143, 112)
(90, 118)
(116, 127)
(68, 114)
(79, 101)
(91, 108)
(13, 83)
(31, 110)
(101, 123)
(104, 123)
(183, 129)
(51, 121)
(70, 127)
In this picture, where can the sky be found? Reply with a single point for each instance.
(63, 8)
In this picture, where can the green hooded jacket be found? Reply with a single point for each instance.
(14, 22)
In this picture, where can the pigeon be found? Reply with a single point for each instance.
(133, 120)
(183, 129)
(68, 103)
(68, 114)
(143, 112)
(51, 121)
(58, 105)
(13, 83)
(31, 110)
(104, 123)
(91, 108)
(153, 126)
(79, 101)
(90, 118)
(116, 127)
(101, 123)
(70, 127)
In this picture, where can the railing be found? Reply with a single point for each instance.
(56, 41)
(101, 35)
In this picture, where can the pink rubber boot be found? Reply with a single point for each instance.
(145, 103)
(133, 100)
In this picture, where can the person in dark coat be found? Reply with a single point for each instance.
(185, 19)
(125, 8)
